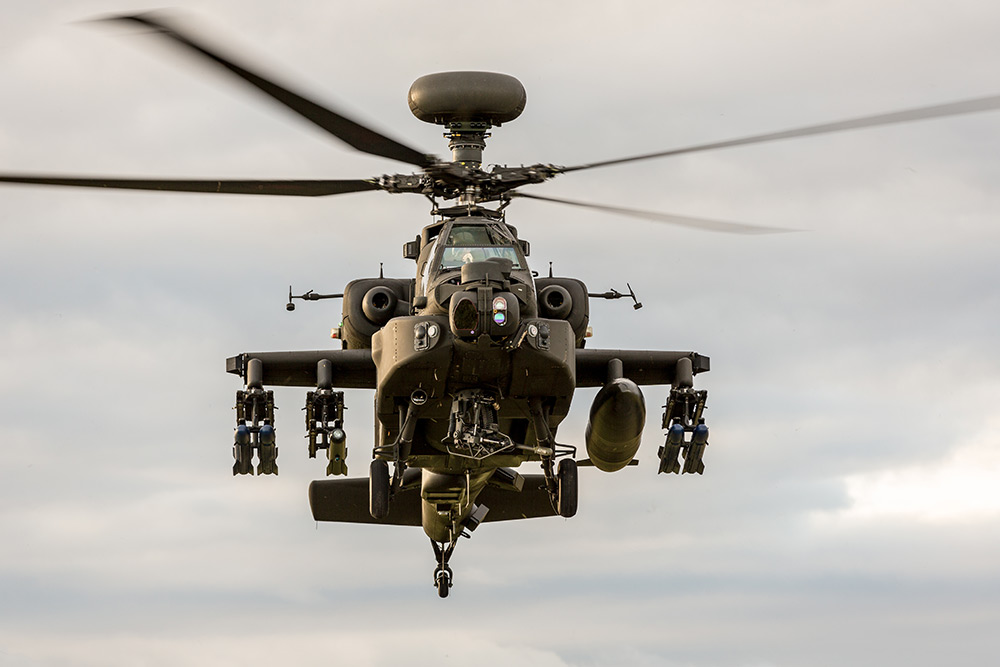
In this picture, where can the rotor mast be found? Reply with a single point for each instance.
(467, 141)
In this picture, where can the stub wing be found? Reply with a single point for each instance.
(644, 367)
(355, 369)
(346, 501)
(352, 369)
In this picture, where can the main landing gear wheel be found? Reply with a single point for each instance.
(567, 488)
(378, 489)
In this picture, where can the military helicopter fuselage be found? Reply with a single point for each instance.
(482, 376)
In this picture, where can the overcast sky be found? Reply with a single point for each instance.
(849, 510)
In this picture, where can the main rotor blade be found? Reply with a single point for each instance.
(351, 132)
(680, 220)
(309, 188)
(937, 111)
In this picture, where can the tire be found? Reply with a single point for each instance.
(443, 583)
(568, 485)
(378, 489)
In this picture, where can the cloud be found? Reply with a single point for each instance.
(962, 487)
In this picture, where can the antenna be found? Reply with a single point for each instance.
(615, 294)
(631, 293)
(308, 296)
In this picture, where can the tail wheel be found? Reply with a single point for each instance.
(378, 489)
(442, 580)
(567, 480)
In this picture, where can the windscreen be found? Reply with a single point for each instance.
(478, 243)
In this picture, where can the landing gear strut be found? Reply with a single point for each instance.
(381, 489)
(561, 485)
(442, 573)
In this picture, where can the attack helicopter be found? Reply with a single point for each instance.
(474, 361)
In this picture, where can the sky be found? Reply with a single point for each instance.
(849, 509)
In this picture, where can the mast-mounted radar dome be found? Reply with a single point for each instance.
(468, 104)
(485, 97)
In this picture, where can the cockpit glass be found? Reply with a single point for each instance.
(468, 235)
(477, 243)
(455, 256)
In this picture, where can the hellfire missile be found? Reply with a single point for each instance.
(336, 452)
(699, 440)
(669, 462)
(266, 451)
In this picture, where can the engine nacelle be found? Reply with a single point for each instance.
(614, 431)
(555, 303)
(565, 299)
(379, 305)
(369, 303)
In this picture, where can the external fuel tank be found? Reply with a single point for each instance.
(617, 417)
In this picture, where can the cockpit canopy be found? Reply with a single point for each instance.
(450, 245)
(477, 243)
